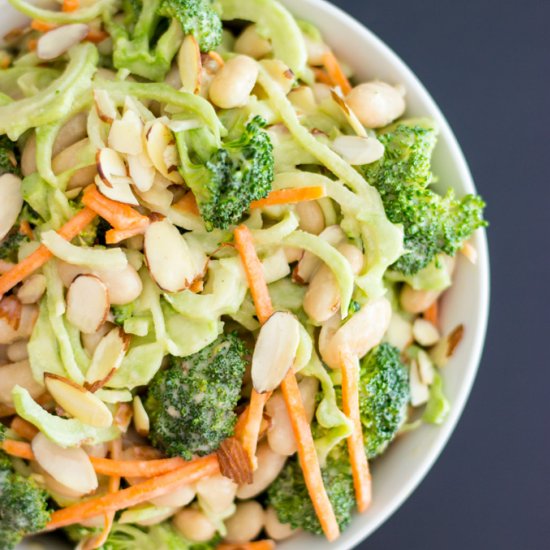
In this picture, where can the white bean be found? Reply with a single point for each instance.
(194, 525)
(246, 523)
(177, 498)
(217, 492)
(252, 44)
(359, 335)
(67, 159)
(315, 51)
(11, 201)
(311, 217)
(233, 83)
(417, 301)
(376, 104)
(274, 528)
(270, 465)
(18, 351)
(17, 374)
(32, 289)
(8, 335)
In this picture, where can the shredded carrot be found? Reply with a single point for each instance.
(23, 428)
(20, 449)
(121, 216)
(137, 494)
(96, 36)
(42, 26)
(114, 236)
(70, 5)
(322, 76)
(216, 57)
(432, 314)
(25, 229)
(308, 457)
(187, 203)
(257, 545)
(41, 255)
(31, 44)
(358, 459)
(136, 468)
(252, 427)
(290, 196)
(5, 62)
(335, 72)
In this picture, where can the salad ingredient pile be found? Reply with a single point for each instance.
(221, 264)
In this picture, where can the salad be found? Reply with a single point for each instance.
(221, 259)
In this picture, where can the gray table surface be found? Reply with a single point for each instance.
(486, 62)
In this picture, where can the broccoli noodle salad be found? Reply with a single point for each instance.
(221, 259)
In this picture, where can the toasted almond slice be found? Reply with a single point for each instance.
(110, 164)
(420, 392)
(11, 201)
(17, 351)
(303, 99)
(105, 107)
(234, 463)
(11, 310)
(158, 138)
(358, 150)
(108, 355)
(119, 191)
(58, 41)
(190, 65)
(141, 418)
(70, 467)
(274, 351)
(425, 333)
(171, 158)
(125, 134)
(351, 117)
(280, 73)
(32, 289)
(469, 251)
(78, 402)
(168, 257)
(445, 348)
(17, 374)
(177, 125)
(425, 367)
(87, 303)
(141, 171)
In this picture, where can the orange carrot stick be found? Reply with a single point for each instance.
(42, 26)
(290, 196)
(137, 494)
(96, 36)
(114, 236)
(322, 76)
(308, 457)
(70, 5)
(20, 449)
(251, 429)
(23, 428)
(356, 448)
(432, 314)
(41, 255)
(335, 72)
(257, 545)
(136, 468)
(187, 203)
(31, 44)
(25, 229)
(121, 216)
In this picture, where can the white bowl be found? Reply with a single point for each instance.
(397, 473)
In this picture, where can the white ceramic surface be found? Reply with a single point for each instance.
(409, 459)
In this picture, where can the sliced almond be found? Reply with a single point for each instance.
(123, 417)
(399, 333)
(119, 191)
(425, 333)
(56, 42)
(141, 418)
(78, 402)
(420, 392)
(70, 467)
(125, 134)
(108, 355)
(280, 73)
(303, 100)
(425, 367)
(190, 65)
(158, 138)
(274, 351)
(87, 303)
(358, 150)
(468, 251)
(110, 166)
(11, 201)
(17, 351)
(183, 125)
(234, 463)
(169, 257)
(105, 106)
(11, 310)
(17, 374)
(445, 348)
(351, 117)
(32, 289)
(141, 171)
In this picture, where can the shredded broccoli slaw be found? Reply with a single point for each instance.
(221, 264)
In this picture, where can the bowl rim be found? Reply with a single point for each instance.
(483, 278)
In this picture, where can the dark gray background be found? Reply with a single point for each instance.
(486, 63)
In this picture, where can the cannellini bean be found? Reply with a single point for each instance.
(321, 91)
(177, 498)
(311, 217)
(66, 159)
(58, 489)
(17, 374)
(417, 301)
(322, 298)
(399, 333)
(252, 44)
(246, 523)
(18, 351)
(217, 492)
(293, 254)
(233, 83)
(29, 314)
(194, 525)
(274, 528)
(376, 104)
(280, 435)
(358, 335)
(32, 289)
(99, 450)
(11, 201)
(270, 465)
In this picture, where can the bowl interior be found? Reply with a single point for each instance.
(408, 460)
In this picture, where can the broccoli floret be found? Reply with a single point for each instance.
(191, 403)
(197, 17)
(227, 179)
(23, 506)
(433, 224)
(122, 313)
(383, 397)
(9, 156)
(289, 496)
(10, 245)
